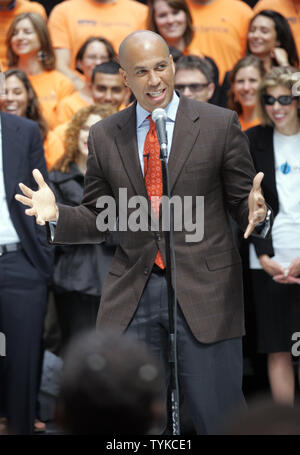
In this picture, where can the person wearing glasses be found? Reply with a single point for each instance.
(275, 263)
(194, 78)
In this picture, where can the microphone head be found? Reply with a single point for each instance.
(159, 113)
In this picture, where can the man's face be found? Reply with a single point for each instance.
(193, 84)
(109, 88)
(149, 72)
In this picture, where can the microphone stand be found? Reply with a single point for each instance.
(172, 299)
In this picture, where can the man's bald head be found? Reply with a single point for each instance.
(141, 38)
(148, 69)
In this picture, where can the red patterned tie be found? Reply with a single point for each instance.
(153, 176)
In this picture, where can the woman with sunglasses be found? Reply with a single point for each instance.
(275, 262)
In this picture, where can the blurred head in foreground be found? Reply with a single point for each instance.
(264, 417)
(110, 385)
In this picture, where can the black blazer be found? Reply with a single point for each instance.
(262, 151)
(22, 151)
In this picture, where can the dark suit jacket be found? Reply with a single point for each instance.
(262, 151)
(209, 157)
(23, 151)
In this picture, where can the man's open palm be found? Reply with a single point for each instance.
(42, 202)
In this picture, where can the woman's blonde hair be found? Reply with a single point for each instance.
(72, 133)
(288, 77)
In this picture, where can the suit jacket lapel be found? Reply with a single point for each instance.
(126, 142)
(186, 131)
(11, 147)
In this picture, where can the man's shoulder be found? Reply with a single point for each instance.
(206, 109)
(15, 121)
(24, 6)
(269, 4)
(118, 119)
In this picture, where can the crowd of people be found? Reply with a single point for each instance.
(61, 75)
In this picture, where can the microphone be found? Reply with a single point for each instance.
(159, 117)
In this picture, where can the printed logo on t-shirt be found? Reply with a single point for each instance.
(292, 20)
(285, 168)
(87, 22)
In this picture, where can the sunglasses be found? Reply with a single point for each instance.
(284, 100)
(192, 87)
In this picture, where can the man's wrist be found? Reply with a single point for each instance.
(263, 228)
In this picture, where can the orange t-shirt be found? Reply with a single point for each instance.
(51, 87)
(290, 9)
(60, 131)
(69, 105)
(221, 29)
(193, 51)
(6, 18)
(53, 147)
(72, 22)
(246, 125)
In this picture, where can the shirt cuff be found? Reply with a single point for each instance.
(263, 228)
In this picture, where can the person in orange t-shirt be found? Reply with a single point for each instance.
(21, 99)
(221, 28)
(29, 49)
(107, 87)
(72, 22)
(9, 9)
(172, 20)
(93, 52)
(290, 9)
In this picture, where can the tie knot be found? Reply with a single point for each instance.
(152, 124)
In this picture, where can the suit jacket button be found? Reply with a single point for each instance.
(157, 235)
(146, 270)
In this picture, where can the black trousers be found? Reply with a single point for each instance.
(210, 375)
(76, 312)
(23, 298)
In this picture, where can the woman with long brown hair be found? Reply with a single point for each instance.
(20, 99)
(29, 48)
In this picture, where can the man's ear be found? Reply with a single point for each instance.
(172, 63)
(211, 89)
(124, 76)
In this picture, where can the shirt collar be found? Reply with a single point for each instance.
(171, 111)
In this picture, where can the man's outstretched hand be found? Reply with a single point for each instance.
(42, 202)
(257, 205)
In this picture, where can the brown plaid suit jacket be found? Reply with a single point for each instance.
(209, 157)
